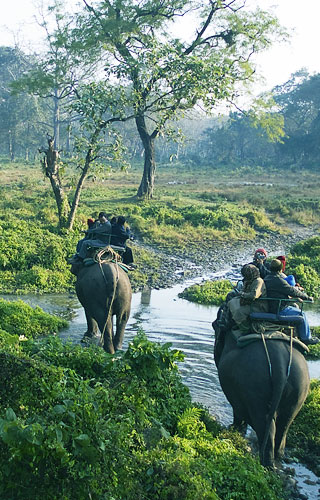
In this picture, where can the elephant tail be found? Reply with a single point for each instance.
(278, 381)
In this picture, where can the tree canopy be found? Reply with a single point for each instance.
(157, 75)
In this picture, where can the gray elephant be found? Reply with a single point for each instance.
(104, 291)
(265, 393)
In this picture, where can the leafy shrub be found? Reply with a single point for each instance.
(304, 433)
(209, 292)
(8, 341)
(304, 264)
(87, 363)
(64, 436)
(308, 278)
(26, 245)
(309, 247)
(33, 259)
(196, 465)
(18, 318)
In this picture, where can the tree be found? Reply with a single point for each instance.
(55, 73)
(299, 103)
(91, 146)
(161, 75)
(19, 115)
(61, 76)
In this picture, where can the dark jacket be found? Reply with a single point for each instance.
(263, 268)
(120, 235)
(101, 232)
(279, 288)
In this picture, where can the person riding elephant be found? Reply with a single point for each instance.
(245, 303)
(98, 236)
(119, 236)
(259, 260)
(90, 224)
(278, 288)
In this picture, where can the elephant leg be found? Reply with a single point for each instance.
(108, 343)
(105, 327)
(92, 327)
(121, 322)
(267, 455)
(283, 424)
(239, 424)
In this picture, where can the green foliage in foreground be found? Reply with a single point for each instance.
(18, 318)
(304, 433)
(209, 292)
(78, 423)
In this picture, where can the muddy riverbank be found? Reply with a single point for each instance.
(176, 266)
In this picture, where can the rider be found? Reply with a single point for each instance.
(253, 288)
(119, 237)
(278, 288)
(259, 260)
(90, 223)
(99, 235)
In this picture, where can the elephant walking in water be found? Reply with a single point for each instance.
(104, 291)
(265, 393)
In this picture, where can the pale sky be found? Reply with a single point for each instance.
(17, 23)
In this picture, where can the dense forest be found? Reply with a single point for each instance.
(197, 140)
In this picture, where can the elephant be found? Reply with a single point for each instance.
(104, 291)
(266, 387)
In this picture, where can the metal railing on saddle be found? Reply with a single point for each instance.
(278, 317)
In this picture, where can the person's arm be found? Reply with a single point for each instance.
(292, 291)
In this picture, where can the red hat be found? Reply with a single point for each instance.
(261, 250)
(282, 259)
(90, 222)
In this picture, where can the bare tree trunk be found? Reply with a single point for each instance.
(76, 198)
(68, 141)
(50, 164)
(147, 182)
(56, 120)
(90, 156)
(11, 145)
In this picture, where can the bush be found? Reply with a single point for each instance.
(304, 433)
(78, 423)
(34, 259)
(304, 264)
(18, 318)
(209, 292)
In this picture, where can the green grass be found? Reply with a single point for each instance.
(205, 208)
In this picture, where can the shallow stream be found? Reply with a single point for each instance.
(166, 318)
